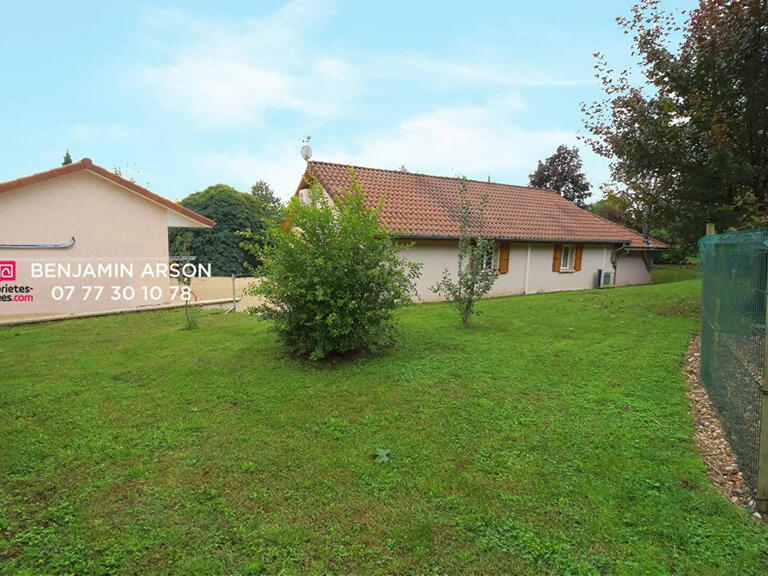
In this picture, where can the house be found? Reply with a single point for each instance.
(80, 239)
(543, 242)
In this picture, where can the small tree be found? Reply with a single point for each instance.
(331, 276)
(562, 173)
(475, 273)
(191, 311)
(67, 159)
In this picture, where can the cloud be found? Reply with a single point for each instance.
(471, 140)
(502, 74)
(101, 132)
(475, 141)
(229, 74)
(225, 74)
(282, 168)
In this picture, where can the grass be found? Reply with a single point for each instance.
(552, 437)
(663, 273)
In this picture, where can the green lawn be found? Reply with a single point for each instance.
(553, 437)
(674, 272)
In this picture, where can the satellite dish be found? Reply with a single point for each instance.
(306, 151)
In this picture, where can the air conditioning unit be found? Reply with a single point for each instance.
(605, 278)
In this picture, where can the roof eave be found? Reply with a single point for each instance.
(87, 164)
(623, 241)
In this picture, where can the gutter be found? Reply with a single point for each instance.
(624, 243)
(68, 244)
(626, 248)
(509, 239)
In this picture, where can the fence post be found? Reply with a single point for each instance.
(711, 228)
(234, 297)
(761, 496)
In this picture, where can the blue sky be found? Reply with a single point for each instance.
(184, 95)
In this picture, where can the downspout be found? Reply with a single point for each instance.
(615, 260)
(527, 268)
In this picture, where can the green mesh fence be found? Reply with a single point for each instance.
(734, 268)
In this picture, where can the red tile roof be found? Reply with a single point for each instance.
(423, 206)
(87, 164)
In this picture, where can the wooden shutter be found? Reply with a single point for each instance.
(503, 258)
(558, 254)
(579, 253)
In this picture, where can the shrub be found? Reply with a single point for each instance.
(332, 276)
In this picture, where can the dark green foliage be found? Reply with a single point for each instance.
(562, 173)
(270, 203)
(67, 159)
(617, 208)
(688, 130)
(233, 212)
(332, 276)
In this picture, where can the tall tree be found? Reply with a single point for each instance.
(233, 212)
(688, 134)
(562, 173)
(67, 159)
(617, 206)
(270, 203)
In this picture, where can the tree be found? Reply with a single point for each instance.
(617, 206)
(67, 159)
(270, 203)
(562, 173)
(332, 276)
(475, 275)
(233, 211)
(688, 136)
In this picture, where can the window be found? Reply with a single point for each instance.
(567, 258)
(488, 258)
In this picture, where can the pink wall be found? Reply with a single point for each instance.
(109, 223)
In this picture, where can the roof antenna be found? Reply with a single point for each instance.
(306, 151)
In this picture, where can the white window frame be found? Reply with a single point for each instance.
(490, 258)
(567, 264)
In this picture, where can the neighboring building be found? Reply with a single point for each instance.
(543, 242)
(82, 214)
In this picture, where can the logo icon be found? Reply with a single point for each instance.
(7, 270)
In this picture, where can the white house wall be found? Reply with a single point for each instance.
(533, 260)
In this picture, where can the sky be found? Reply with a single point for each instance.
(184, 95)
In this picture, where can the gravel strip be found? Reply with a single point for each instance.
(722, 467)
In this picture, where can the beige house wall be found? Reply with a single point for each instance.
(109, 223)
(631, 269)
(530, 268)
